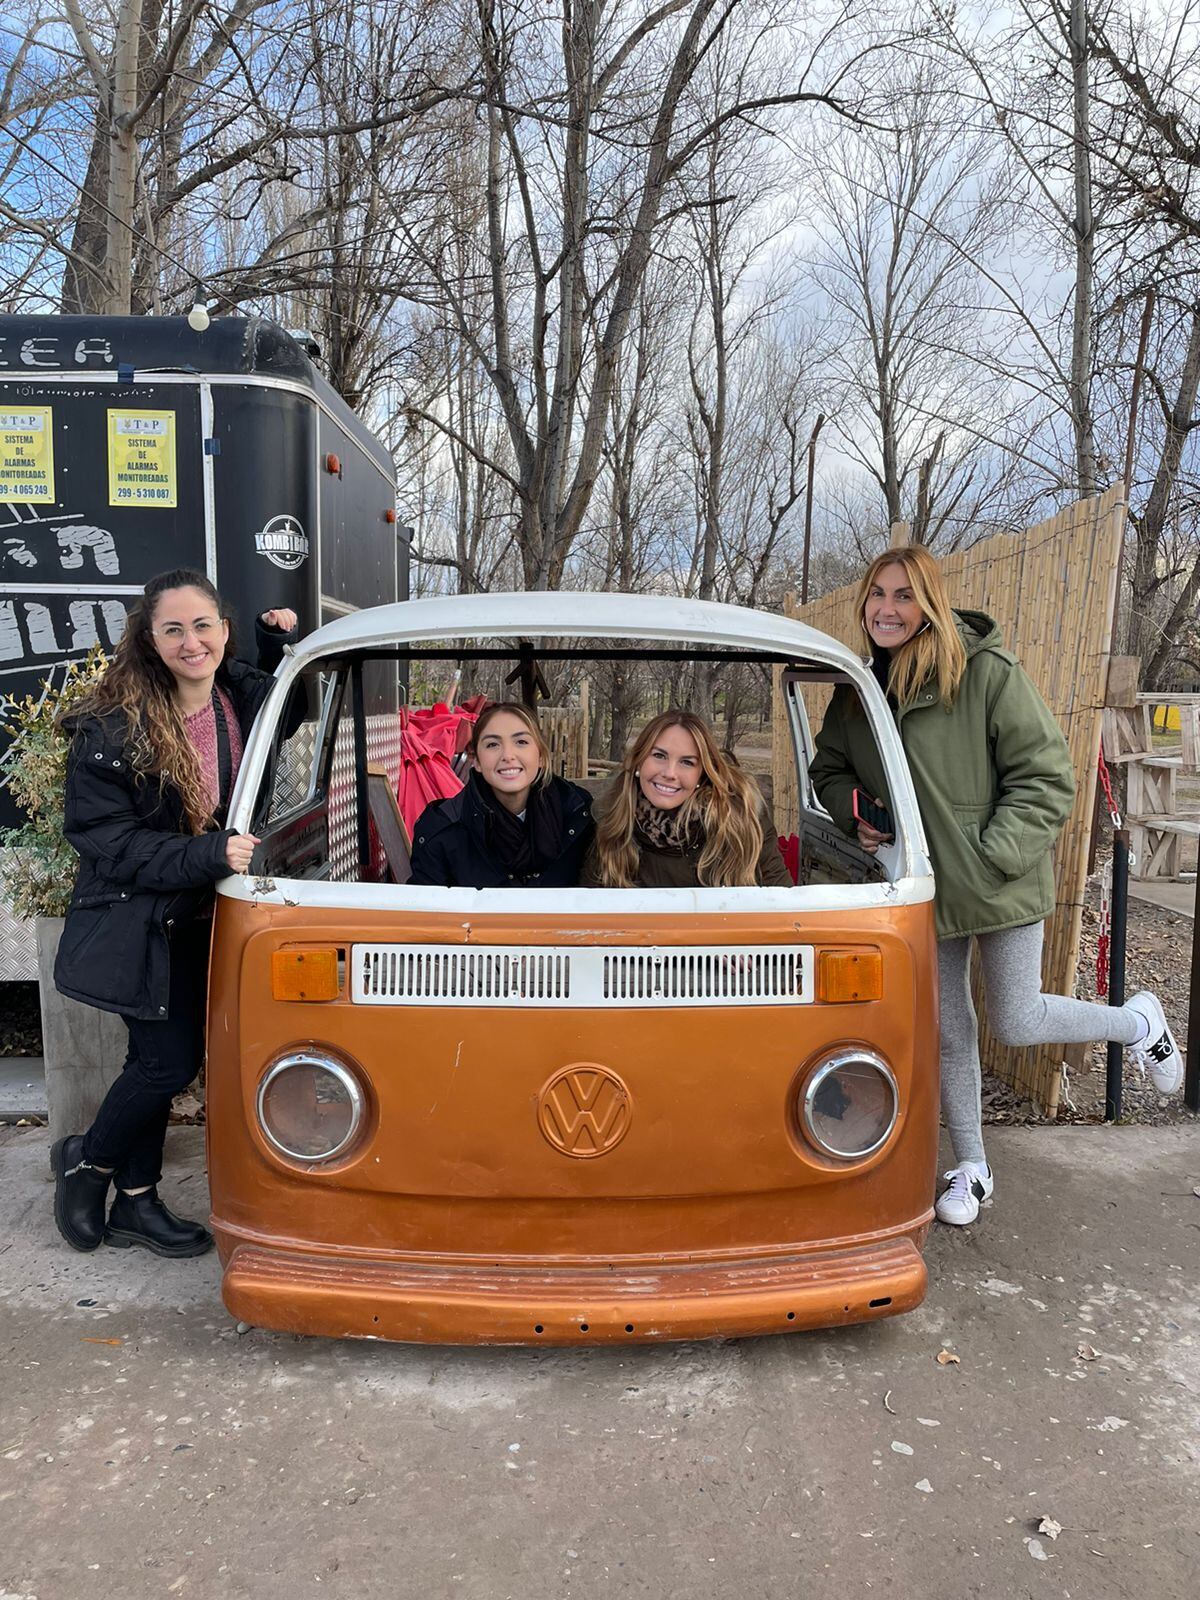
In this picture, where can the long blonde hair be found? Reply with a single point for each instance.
(937, 652)
(139, 686)
(725, 802)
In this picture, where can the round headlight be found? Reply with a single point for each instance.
(310, 1106)
(848, 1106)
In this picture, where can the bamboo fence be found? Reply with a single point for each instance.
(1052, 590)
(565, 731)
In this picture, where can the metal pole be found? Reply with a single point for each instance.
(1116, 968)
(1191, 1076)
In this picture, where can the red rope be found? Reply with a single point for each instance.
(1106, 782)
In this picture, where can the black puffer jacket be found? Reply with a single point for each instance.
(139, 869)
(450, 845)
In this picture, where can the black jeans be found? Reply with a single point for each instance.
(131, 1124)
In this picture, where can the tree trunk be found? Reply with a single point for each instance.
(1156, 646)
(1085, 246)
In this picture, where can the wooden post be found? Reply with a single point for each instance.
(808, 508)
(900, 535)
(1121, 690)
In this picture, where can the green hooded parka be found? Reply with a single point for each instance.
(993, 779)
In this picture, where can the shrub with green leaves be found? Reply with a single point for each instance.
(37, 868)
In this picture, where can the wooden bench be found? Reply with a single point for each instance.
(1154, 841)
(1156, 827)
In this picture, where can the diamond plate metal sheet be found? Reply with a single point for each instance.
(383, 749)
(293, 771)
(18, 948)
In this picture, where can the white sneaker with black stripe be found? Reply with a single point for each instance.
(967, 1188)
(1158, 1050)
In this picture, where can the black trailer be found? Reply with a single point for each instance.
(133, 444)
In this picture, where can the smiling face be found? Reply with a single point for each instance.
(189, 635)
(507, 759)
(891, 614)
(669, 772)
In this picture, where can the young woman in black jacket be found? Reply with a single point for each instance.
(154, 753)
(514, 825)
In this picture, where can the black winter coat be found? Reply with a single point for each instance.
(140, 870)
(450, 847)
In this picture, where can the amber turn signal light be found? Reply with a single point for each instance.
(305, 974)
(846, 975)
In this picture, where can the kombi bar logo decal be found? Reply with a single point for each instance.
(283, 541)
(584, 1110)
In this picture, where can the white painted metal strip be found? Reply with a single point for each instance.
(617, 977)
(208, 482)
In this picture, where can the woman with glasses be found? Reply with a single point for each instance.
(155, 749)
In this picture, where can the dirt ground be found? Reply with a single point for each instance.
(150, 1449)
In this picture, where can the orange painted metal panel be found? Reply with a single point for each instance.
(513, 1160)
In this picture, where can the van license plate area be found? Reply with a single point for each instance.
(569, 978)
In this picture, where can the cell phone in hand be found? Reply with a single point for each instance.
(874, 815)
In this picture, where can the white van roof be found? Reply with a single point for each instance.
(572, 614)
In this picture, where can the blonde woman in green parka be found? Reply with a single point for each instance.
(994, 783)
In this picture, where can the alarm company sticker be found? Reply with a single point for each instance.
(141, 459)
(27, 454)
(283, 541)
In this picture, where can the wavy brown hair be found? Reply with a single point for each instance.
(522, 714)
(139, 685)
(725, 802)
(936, 652)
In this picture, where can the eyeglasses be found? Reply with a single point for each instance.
(173, 632)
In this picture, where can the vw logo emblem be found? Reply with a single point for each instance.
(584, 1110)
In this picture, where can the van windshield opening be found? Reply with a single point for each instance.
(367, 739)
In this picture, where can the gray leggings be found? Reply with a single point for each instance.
(1018, 1014)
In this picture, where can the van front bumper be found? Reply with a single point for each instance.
(521, 1303)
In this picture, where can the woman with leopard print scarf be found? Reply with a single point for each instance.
(680, 814)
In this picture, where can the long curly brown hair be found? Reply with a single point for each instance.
(139, 686)
(726, 803)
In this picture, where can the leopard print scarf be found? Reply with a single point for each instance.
(676, 832)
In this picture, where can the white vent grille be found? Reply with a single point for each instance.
(530, 975)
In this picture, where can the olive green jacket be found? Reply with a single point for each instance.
(993, 780)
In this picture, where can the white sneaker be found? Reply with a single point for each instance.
(967, 1187)
(1158, 1049)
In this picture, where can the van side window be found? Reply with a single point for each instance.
(827, 854)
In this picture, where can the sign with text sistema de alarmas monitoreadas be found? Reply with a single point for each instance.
(27, 454)
(141, 459)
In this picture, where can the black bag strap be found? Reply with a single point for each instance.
(224, 760)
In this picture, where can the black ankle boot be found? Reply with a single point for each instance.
(143, 1219)
(80, 1194)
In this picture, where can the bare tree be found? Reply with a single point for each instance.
(905, 214)
(589, 133)
(207, 126)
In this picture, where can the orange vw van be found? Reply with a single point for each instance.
(560, 1116)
